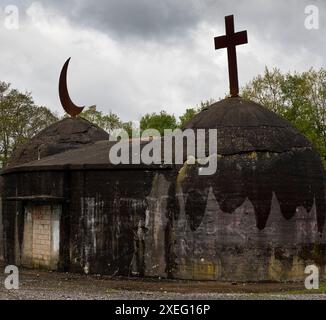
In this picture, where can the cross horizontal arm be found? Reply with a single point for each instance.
(220, 42)
(231, 40)
(240, 38)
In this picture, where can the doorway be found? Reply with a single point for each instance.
(41, 237)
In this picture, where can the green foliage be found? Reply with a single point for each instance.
(128, 127)
(298, 97)
(108, 122)
(20, 119)
(192, 111)
(158, 121)
(163, 120)
(188, 115)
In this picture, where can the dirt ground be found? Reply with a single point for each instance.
(35, 284)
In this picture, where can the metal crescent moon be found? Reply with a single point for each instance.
(66, 102)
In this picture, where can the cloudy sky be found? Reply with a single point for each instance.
(139, 56)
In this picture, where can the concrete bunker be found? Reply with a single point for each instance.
(260, 217)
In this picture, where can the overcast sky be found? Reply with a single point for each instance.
(139, 56)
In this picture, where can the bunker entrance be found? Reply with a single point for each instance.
(41, 238)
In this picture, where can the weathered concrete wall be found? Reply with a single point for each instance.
(230, 246)
(166, 223)
(108, 221)
(156, 237)
(260, 217)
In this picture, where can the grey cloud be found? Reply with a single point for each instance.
(139, 71)
(154, 18)
(146, 19)
(278, 23)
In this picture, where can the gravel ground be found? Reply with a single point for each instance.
(36, 285)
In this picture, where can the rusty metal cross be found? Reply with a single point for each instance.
(230, 41)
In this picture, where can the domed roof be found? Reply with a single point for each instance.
(261, 156)
(244, 126)
(67, 134)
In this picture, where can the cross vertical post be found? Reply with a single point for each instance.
(230, 41)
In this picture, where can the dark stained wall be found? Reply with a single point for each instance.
(236, 225)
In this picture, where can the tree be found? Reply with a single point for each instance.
(159, 121)
(298, 97)
(192, 111)
(108, 122)
(188, 115)
(128, 127)
(20, 119)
